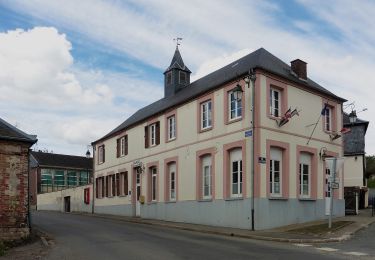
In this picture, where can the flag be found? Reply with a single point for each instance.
(324, 109)
(283, 121)
(288, 114)
(294, 112)
(345, 130)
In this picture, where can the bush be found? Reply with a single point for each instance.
(371, 183)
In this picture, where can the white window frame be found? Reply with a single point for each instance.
(122, 146)
(154, 183)
(100, 154)
(305, 164)
(152, 130)
(276, 156)
(206, 115)
(237, 106)
(236, 159)
(171, 128)
(328, 119)
(172, 182)
(206, 172)
(275, 103)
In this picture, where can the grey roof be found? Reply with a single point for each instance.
(359, 121)
(260, 59)
(177, 62)
(9, 132)
(61, 161)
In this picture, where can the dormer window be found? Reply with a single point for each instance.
(182, 77)
(169, 77)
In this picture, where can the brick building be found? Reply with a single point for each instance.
(14, 157)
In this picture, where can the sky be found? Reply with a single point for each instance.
(71, 71)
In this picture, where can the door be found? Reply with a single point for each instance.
(138, 194)
(67, 204)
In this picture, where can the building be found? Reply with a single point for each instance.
(14, 171)
(195, 155)
(55, 172)
(355, 162)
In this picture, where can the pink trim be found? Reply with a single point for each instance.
(285, 167)
(199, 154)
(336, 191)
(152, 120)
(333, 106)
(166, 177)
(226, 102)
(282, 87)
(226, 167)
(201, 100)
(257, 135)
(314, 170)
(166, 116)
(149, 180)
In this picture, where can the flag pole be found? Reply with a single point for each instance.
(308, 141)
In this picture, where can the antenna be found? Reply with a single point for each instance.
(177, 40)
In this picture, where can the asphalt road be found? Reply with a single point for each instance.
(87, 237)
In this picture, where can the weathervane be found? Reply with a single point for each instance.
(177, 39)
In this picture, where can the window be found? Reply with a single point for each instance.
(206, 113)
(172, 181)
(118, 184)
(46, 180)
(103, 187)
(275, 100)
(182, 77)
(235, 107)
(153, 183)
(113, 185)
(122, 146)
(206, 177)
(152, 134)
(101, 154)
(59, 180)
(72, 178)
(171, 127)
(305, 174)
(169, 77)
(124, 183)
(328, 119)
(236, 172)
(275, 172)
(84, 177)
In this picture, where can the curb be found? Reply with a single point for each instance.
(233, 234)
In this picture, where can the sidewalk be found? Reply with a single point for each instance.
(292, 233)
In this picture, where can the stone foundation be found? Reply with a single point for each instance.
(13, 233)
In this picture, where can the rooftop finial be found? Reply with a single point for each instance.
(177, 39)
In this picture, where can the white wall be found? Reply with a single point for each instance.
(55, 200)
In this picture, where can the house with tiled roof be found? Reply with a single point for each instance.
(240, 147)
(14, 205)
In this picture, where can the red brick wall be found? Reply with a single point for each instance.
(14, 158)
(33, 179)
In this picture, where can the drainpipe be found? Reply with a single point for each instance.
(28, 190)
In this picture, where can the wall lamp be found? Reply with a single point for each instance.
(323, 153)
(237, 92)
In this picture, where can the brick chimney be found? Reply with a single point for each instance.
(299, 67)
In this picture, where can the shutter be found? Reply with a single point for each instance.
(118, 147)
(118, 184)
(126, 144)
(103, 153)
(96, 188)
(126, 183)
(146, 136)
(106, 186)
(157, 132)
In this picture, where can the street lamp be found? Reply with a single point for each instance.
(237, 92)
(353, 117)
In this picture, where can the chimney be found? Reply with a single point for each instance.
(299, 67)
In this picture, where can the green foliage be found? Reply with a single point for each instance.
(371, 183)
(2, 248)
(370, 165)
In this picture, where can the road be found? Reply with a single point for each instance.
(87, 237)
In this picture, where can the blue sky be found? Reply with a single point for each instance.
(77, 69)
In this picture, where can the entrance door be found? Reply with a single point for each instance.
(67, 204)
(138, 194)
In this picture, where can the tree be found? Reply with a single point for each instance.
(370, 170)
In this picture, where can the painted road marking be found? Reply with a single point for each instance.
(327, 249)
(302, 245)
(355, 253)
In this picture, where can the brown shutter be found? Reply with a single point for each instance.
(157, 132)
(103, 153)
(126, 183)
(96, 188)
(118, 147)
(113, 185)
(106, 186)
(146, 136)
(103, 187)
(126, 144)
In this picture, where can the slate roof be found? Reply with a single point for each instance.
(359, 121)
(260, 59)
(62, 161)
(9, 132)
(177, 62)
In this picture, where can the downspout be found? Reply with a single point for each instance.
(28, 190)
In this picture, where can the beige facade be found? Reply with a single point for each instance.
(229, 203)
